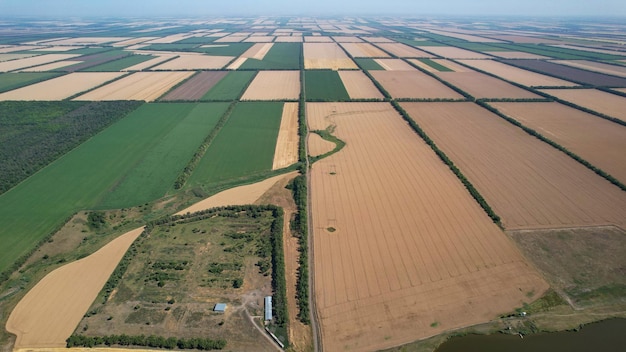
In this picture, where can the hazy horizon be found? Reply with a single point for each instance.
(161, 8)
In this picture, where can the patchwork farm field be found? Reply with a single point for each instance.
(426, 250)
(403, 50)
(146, 86)
(324, 85)
(517, 75)
(196, 87)
(274, 85)
(359, 86)
(413, 84)
(9, 81)
(598, 101)
(13, 65)
(326, 56)
(599, 141)
(480, 86)
(120, 64)
(528, 183)
(281, 56)
(61, 87)
(570, 73)
(230, 87)
(244, 146)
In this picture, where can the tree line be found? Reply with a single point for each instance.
(299, 226)
(146, 341)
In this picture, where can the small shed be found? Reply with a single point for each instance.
(268, 308)
(220, 308)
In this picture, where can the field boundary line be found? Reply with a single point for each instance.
(96, 87)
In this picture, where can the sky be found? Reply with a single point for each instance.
(152, 8)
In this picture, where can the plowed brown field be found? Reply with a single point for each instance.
(359, 86)
(274, 85)
(51, 310)
(61, 87)
(517, 75)
(326, 55)
(363, 50)
(527, 182)
(196, 86)
(286, 152)
(479, 85)
(403, 50)
(599, 141)
(146, 86)
(401, 250)
(602, 102)
(413, 84)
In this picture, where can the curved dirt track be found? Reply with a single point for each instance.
(51, 310)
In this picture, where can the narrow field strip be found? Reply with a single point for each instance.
(146, 86)
(286, 152)
(61, 87)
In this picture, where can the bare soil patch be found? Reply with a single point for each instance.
(480, 85)
(602, 102)
(413, 84)
(286, 152)
(196, 87)
(411, 254)
(274, 85)
(528, 183)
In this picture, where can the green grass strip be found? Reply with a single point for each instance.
(368, 64)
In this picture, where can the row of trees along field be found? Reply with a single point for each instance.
(299, 226)
(149, 341)
(33, 134)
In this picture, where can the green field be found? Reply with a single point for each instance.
(285, 56)
(9, 81)
(117, 65)
(324, 85)
(436, 66)
(79, 179)
(230, 87)
(244, 146)
(229, 49)
(196, 40)
(171, 47)
(156, 172)
(368, 64)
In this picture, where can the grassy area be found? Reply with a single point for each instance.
(156, 172)
(78, 179)
(282, 56)
(244, 146)
(117, 65)
(324, 85)
(368, 64)
(229, 87)
(9, 81)
(435, 65)
(228, 49)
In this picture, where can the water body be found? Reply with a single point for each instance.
(605, 336)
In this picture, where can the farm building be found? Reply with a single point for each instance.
(220, 308)
(268, 308)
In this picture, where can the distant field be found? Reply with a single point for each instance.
(413, 84)
(324, 85)
(10, 81)
(78, 179)
(229, 87)
(196, 87)
(120, 64)
(285, 56)
(596, 100)
(244, 146)
(570, 73)
(224, 49)
(368, 64)
(157, 170)
(480, 85)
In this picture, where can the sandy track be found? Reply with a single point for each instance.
(363, 50)
(602, 102)
(318, 145)
(394, 65)
(286, 152)
(13, 65)
(241, 195)
(480, 85)
(196, 87)
(326, 56)
(359, 86)
(527, 182)
(517, 75)
(410, 247)
(403, 50)
(51, 310)
(413, 84)
(599, 141)
(274, 85)
(195, 62)
(60, 87)
(450, 52)
(146, 86)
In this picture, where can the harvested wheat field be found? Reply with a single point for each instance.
(599, 141)
(401, 250)
(517, 75)
(237, 63)
(13, 48)
(259, 39)
(363, 50)
(378, 40)
(449, 64)
(274, 85)
(49, 67)
(87, 41)
(195, 62)
(595, 66)
(394, 65)
(326, 55)
(196, 86)
(257, 51)
(149, 63)
(286, 152)
(7, 57)
(318, 39)
(241, 195)
(480, 85)
(347, 39)
(146, 86)
(132, 41)
(450, 52)
(528, 183)
(602, 102)
(413, 84)
(318, 145)
(61, 87)
(403, 50)
(51, 310)
(13, 65)
(284, 39)
(359, 86)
